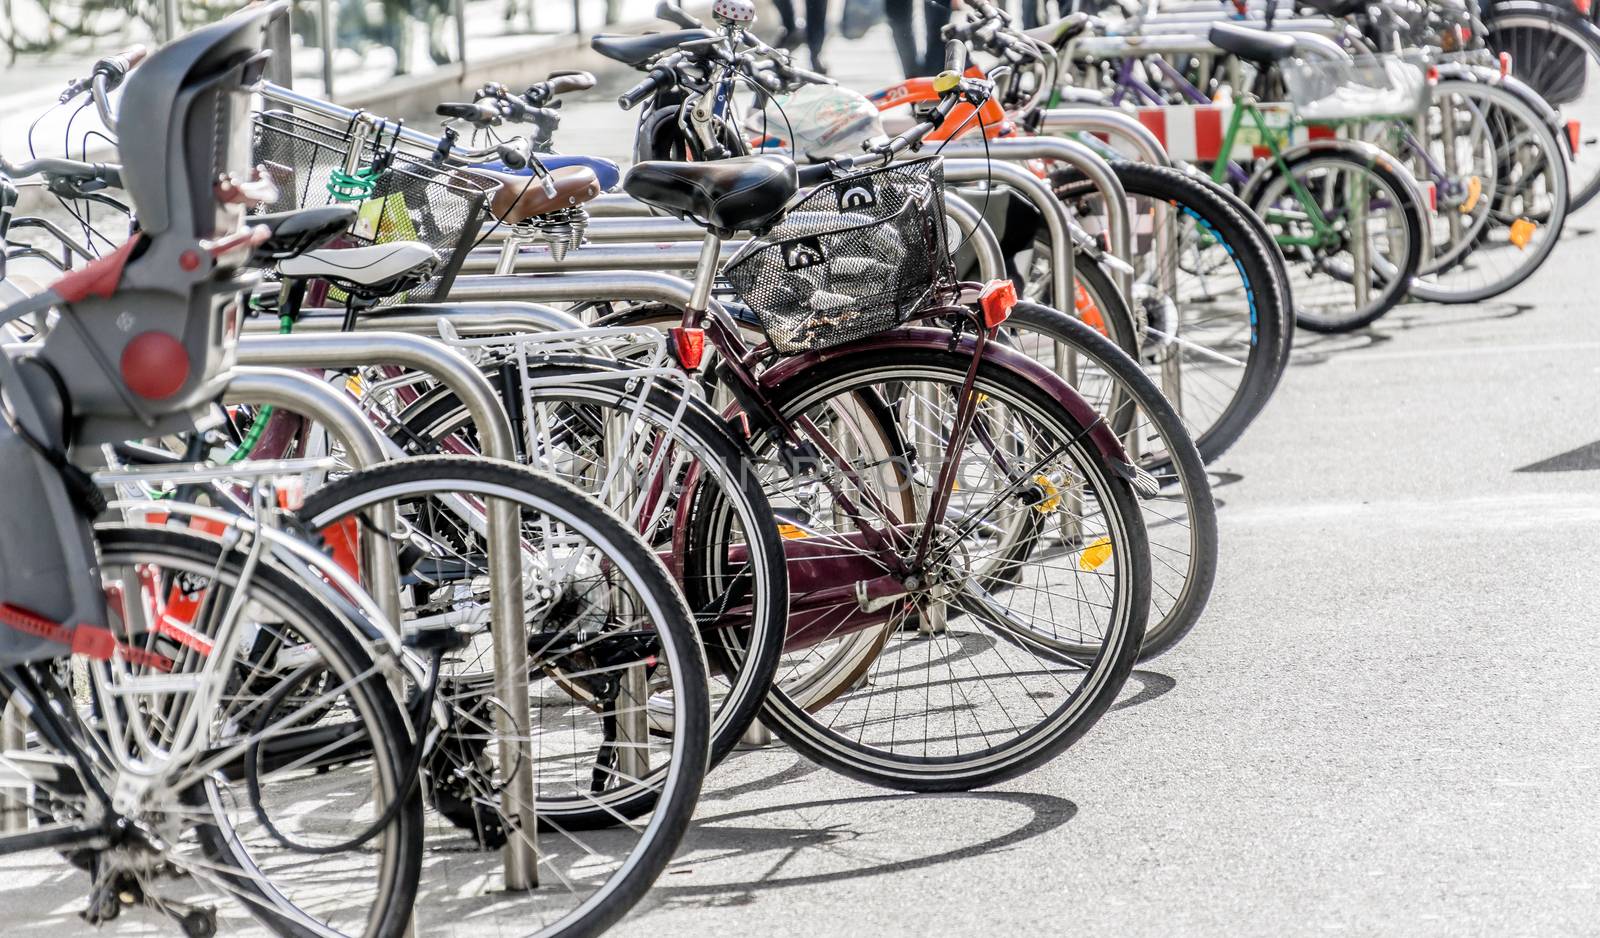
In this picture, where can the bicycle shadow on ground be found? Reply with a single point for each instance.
(1152, 685)
(1319, 348)
(1409, 317)
(728, 859)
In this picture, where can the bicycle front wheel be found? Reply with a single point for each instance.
(611, 653)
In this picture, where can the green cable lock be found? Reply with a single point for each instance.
(352, 187)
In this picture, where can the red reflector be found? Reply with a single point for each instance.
(1505, 64)
(996, 301)
(1582, 6)
(1574, 136)
(1433, 74)
(690, 344)
(155, 365)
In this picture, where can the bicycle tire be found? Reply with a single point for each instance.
(1413, 224)
(1513, 104)
(1181, 466)
(439, 414)
(1543, 40)
(349, 656)
(679, 649)
(1203, 203)
(820, 738)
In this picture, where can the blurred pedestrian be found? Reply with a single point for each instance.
(923, 59)
(816, 29)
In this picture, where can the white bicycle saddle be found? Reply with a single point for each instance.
(368, 266)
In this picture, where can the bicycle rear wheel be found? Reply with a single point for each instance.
(1351, 231)
(1525, 194)
(1556, 52)
(677, 472)
(1180, 519)
(1020, 633)
(232, 817)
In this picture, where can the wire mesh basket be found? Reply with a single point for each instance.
(1364, 87)
(398, 196)
(855, 257)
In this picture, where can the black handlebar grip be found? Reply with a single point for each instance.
(639, 92)
(477, 112)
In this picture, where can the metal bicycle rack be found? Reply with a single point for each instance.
(452, 370)
(423, 319)
(642, 242)
(363, 444)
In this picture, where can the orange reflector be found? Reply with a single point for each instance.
(1088, 312)
(343, 540)
(996, 301)
(791, 532)
(690, 344)
(1505, 64)
(1574, 136)
(1474, 193)
(1095, 555)
(1522, 232)
(1582, 6)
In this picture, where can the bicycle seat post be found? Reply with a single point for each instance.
(705, 276)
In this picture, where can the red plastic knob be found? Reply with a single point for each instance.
(155, 365)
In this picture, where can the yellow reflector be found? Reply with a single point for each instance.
(790, 531)
(354, 386)
(1052, 496)
(1474, 192)
(1522, 232)
(1095, 554)
(945, 81)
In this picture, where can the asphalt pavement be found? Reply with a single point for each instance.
(1385, 724)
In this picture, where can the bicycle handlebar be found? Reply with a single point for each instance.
(108, 173)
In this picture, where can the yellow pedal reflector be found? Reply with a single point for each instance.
(945, 81)
(354, 385)
(1474, 193)
(1052, 496)
(1095, 554)
(1522, 232)
(791, 531)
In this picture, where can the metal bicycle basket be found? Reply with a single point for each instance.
(1358, 88)
(398, 196)
(853, 258)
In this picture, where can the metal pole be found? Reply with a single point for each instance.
(280, 39)
(13, 738)
(460, 8)
(578, 287)
(171, 20)
(452, 369)
(363, 444)
(1078, 156)
(325, 40)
